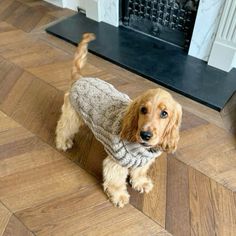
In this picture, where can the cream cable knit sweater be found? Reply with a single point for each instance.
(102, 108)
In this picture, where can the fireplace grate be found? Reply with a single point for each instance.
(170, 20)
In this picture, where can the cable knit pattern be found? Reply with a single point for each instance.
(102, 108)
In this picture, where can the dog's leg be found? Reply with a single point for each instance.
(114, 176)
(67, 126)
(139, 179)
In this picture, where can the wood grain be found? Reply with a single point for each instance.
(9, 74)
(212, 207)
(58, 74)
(16, 228)
(194, 190)
(10, 225)
(177, 199)
(42, 183)
(154, 203)
(104, 220)
(203, 141)
(5, 216)
(228, 114)
(50, 195)
(36, 106)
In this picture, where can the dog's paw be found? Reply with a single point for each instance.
(64, 145)
(118, 198)
(142, 184)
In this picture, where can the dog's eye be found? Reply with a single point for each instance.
(163, 114)
(144, 110)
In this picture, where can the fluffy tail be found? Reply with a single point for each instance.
(81, 56)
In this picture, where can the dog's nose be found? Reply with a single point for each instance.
(145, 135)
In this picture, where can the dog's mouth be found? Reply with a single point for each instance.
(145, 144)
(150, 148)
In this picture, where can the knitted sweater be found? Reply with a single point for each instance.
(102, 108)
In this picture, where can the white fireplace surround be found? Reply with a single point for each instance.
(214, 35)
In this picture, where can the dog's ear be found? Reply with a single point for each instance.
(170, 138)
(130, 122)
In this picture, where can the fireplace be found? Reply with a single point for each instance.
(161, 62)
(168, 20)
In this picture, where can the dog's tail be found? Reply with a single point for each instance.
(81, 56)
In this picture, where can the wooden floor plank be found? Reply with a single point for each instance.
(201, 205)
(59, 74)
(50, 194)
(32, 52)
(203, 141)
(61, 208)
(16, 228)
(4, 4)
(5, 216)
(5, 27)
(8, 9)
(220, 166)
(224, 209)
(41, 183)
(14, 139)
(38, 155)
(34, 175)
(27, 19)
(9, 73)
(98, 218)
(228, 114)
(7, 124)
(154, 203)
(27, 15)
(35, 105)
(212, 207)
(11, 39)
(177, 199)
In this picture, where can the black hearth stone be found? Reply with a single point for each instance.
(155, 60)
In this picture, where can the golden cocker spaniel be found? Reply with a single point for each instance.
(133, 133)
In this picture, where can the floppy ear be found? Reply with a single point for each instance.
(130, 122)
(170, 137)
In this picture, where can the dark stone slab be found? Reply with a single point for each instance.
(155, 60)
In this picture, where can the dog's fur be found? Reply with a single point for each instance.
(143, 114)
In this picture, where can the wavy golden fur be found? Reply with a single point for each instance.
(154, 112)
(165, 130)
(80, 57)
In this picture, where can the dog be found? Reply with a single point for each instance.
(134, 133)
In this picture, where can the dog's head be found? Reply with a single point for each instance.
(153, 120)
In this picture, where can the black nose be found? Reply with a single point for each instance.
(145, 135)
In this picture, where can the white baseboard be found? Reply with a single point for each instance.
(234, 61)
(222, 56)
(71, 4)
(98, 10)
(58, 3)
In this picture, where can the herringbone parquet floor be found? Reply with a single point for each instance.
(44, 192)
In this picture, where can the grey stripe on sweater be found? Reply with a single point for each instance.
(102, 108)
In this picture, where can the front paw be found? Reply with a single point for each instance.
(142, 184)
(63, 145)
(118, 197)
